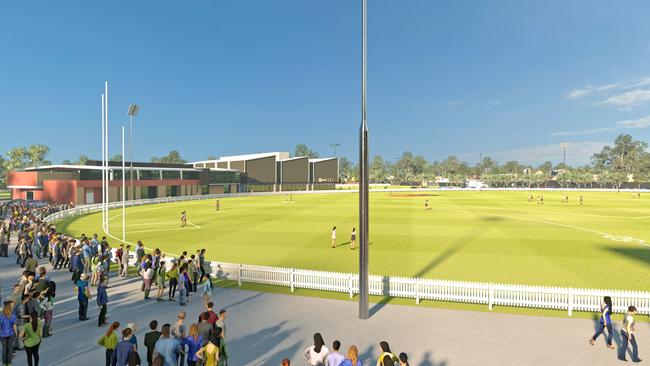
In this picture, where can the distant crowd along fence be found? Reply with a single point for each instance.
(490, 294)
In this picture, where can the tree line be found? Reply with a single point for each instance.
(627, 160)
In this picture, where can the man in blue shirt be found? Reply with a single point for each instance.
(87, 253)
(82, 287)
(166, 347)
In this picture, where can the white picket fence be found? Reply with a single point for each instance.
(540, 297)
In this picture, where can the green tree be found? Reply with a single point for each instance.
(627, 156)
(378, 170)
(116, 157)
(546, 168)
(174, 157)
(36, 155)
(303, 150)
(17, 158)
(347, 170)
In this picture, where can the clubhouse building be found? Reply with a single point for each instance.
(262, 172)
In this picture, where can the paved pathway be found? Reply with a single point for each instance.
(263, 328)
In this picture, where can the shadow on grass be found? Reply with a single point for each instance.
(639, 254)
(452, 249)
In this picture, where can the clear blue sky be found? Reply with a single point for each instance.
(511, 79)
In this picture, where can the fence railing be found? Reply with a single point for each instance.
(490, 294)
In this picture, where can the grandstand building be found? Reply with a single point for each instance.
(264, 172)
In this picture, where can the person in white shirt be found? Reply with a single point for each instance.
(334, 358)
(628, 334)
(317, 353)
(333, 236)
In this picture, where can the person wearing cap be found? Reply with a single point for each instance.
(83, 295)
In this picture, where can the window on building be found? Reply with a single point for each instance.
(171, 174)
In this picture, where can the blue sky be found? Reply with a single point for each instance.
(511, 79)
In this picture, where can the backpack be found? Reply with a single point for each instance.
(51, 286)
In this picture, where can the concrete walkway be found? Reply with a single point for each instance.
(264, 328)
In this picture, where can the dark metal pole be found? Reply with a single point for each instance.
(363, 180)
(131, 158)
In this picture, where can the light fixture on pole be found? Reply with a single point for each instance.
(363, 179)
(564, 145)
(132, 112)
(334, 146)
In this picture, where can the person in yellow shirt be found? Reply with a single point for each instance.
(385, 352)
(109, 341)
(173, 281)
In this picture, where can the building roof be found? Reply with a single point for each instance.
(113, 167)
(295, 158)
(320, 160)
(278, 156)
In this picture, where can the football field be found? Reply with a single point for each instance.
(488, 236)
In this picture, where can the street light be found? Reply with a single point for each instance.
(133, 111)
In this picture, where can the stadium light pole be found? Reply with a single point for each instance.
(123, 190)
(107, 172)
(133, 111)
(334, 146)
(564, 146)
(103, 170)
(363, 178)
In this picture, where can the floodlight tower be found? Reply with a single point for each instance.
(564, 145)
(334, 146)
(363, 178)
(132, 112)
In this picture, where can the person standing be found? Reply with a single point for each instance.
(102, 301)
(178, 331)
(352, 358)
(628, 335)
(385, 352)
(173, 281)
(168, 347)
(353, 238)
(160, 279)
(125, 261)
(333, 236)
(605, 322)
(147, 278)
(316, 354)
(210, 352)
(182, 286)
(32, 337)
(47, 307)
(7, 332)
(150, 339)
(109, 341)
(403, 359)
(193, 342)
(83, 295)
(334, 358)
(120, 356)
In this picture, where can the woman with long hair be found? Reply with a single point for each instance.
(316, 354)
(352, 358)
(385, 351)
(210, 352)
(109, 341)
(193, 342)
(605, 322)
(31, 335)
(7, 332)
